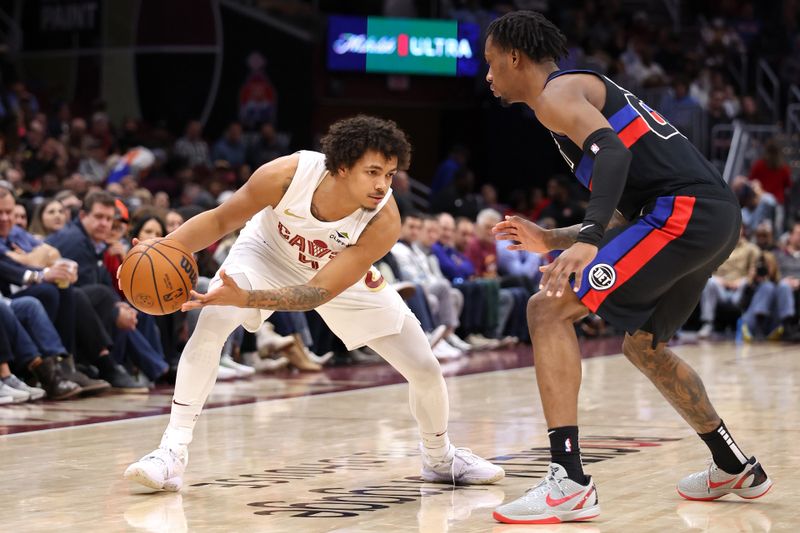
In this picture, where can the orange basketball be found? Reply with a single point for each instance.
(156, 278)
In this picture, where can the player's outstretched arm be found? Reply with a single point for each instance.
(265, 188)
(341, 272)
(534, 238)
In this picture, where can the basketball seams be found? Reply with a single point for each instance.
(133, 272)
(143, 250)
(155, 283)
(183, 252)
(177, 270)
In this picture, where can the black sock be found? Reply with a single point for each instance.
(565, 451)
(724, 450)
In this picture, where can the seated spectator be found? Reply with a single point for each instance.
(454, 264)
(136, 335)
(772, 172)
(21, 216)
(445, 304)
(728, 284)
(29, 267)
(94, 166)
(192, 146)
(269, 145)
(788, 293)
(230, 146)
(49, 217)
(757, 206)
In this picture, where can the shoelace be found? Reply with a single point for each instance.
(465, 455)
(549, 479)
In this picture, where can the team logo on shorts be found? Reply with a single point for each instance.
(602, 277)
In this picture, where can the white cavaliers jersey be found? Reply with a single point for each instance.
(286, 245)
(304, 243)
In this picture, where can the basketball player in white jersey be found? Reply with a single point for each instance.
(316, 223)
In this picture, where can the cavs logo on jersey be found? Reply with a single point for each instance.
(309, 251)
(374, 280)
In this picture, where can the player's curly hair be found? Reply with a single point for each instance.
(530, 32)
(349, 139)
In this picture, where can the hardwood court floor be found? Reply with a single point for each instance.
(346, 461)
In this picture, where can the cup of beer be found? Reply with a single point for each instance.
(71, 265)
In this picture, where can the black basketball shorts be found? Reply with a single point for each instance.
(648, 274)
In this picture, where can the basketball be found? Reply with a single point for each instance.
(156, 278)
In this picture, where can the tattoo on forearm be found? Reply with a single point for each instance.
(563, 238)
(295, 298)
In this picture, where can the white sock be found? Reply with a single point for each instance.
(435, 445)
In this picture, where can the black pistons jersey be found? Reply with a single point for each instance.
(663, 163)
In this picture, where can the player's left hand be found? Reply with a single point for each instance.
(229, 293)
(555, 276)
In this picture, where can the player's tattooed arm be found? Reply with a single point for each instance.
(563, 238)
(294, 298)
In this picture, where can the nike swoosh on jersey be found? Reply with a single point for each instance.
(289, 213)
(555, 503)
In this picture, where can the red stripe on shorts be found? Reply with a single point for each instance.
(645, 250)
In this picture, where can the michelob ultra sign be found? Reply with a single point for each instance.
(403, 46)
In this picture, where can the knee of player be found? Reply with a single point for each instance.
(543, 310)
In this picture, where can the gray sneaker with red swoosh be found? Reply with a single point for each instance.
(554, 500)
(713, 483)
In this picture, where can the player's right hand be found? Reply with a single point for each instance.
(526, 234)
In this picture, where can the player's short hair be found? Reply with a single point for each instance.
(349, 139)
(530, 32)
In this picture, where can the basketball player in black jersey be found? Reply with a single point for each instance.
(660, 220)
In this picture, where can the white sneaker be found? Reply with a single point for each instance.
(319, 359)
(444, 352)
(6, 399)
(16, 395)
(460, 467)
(554, 500)
(226, 373)
(267, 364)
(161, 469)
(15, 383)
(436, 335)
(705, 331)
(457, 342)
(507, 341)
(482, 343)
(268, 342)
(242, 371)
